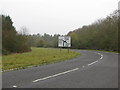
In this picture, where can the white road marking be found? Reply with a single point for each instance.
(55, 75)
(14, 86)
(101, 57)
(99, 53)
(96, 60)
(92, 63)
(67, 71)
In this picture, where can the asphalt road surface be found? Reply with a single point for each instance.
(94, 69)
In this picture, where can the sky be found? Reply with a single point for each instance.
(55, 16)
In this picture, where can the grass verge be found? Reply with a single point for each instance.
(38, 56)
(102, 50)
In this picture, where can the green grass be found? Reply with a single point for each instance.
(38, 56)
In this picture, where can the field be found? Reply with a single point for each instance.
(38, 56)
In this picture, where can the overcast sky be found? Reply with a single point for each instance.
(56, 16)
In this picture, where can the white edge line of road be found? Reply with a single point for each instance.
(55, 75)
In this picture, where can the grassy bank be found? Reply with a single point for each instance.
(38, 56)
(102, 50)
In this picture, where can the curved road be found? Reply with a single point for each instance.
(94, 69)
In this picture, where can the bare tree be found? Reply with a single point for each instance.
(23, 30)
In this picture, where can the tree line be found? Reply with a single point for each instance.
(46, 40)
(19, 41)
(100, 35)
(12, 41)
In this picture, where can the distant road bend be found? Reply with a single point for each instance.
(94, 69)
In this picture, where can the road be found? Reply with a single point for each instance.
(94, 69)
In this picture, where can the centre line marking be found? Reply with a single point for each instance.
(14, 86)
(101, 57)
(56, 75)
(96, 60)
(99, 53)
(92, 63)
